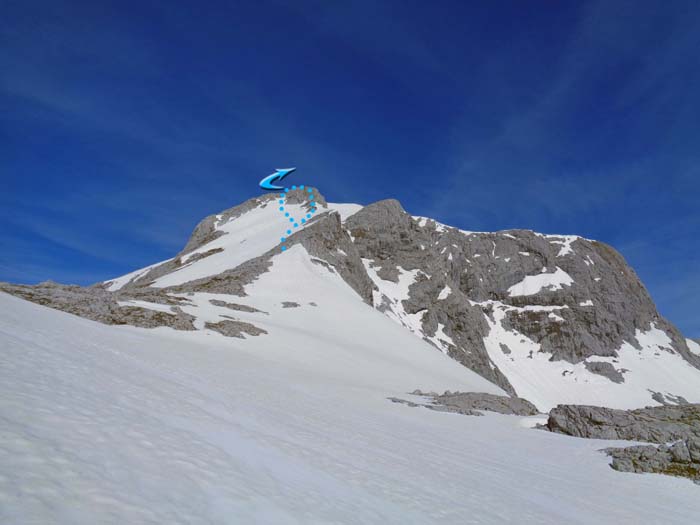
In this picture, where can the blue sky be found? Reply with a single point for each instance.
(123, 124)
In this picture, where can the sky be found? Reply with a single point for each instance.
(122, 124)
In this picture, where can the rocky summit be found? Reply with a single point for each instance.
(549, 318)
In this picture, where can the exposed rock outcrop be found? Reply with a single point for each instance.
(472, 403)
(653, 424)
(234, 306)
(681, 459)
(98, 304)
(675, 428)
(233, 328)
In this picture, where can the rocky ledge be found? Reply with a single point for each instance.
(674, 429)
(472, 403)
(681, 459)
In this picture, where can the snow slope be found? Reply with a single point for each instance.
(322, 338)
(246, 237)
(104, 424)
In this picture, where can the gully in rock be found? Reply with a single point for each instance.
(266, 184)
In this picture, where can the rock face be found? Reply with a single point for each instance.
(653, 424)
(552, 318)
(493, 301)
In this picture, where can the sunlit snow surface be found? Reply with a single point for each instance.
(108, 424)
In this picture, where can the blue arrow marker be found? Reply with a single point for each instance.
(279, 174)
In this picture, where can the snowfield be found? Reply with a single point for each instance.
(104, 424)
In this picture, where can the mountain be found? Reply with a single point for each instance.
(550, 318)
(239, 382)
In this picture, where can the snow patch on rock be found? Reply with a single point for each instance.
(565, 243)
(533, 284)
(445, 293)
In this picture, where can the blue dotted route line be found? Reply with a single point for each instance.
(282, 202)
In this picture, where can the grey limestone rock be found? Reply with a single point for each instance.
(233, 328)
(471, 403)
(652, 424)
(97, 304)
(385, 234)
(668, 399)
(458, 401)
(403, 402)
(681, 459)
(234, 306)
(606, 370)
(676, 430)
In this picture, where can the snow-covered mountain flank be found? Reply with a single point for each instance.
(333, 381)
(549, 318)
(117, 424)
